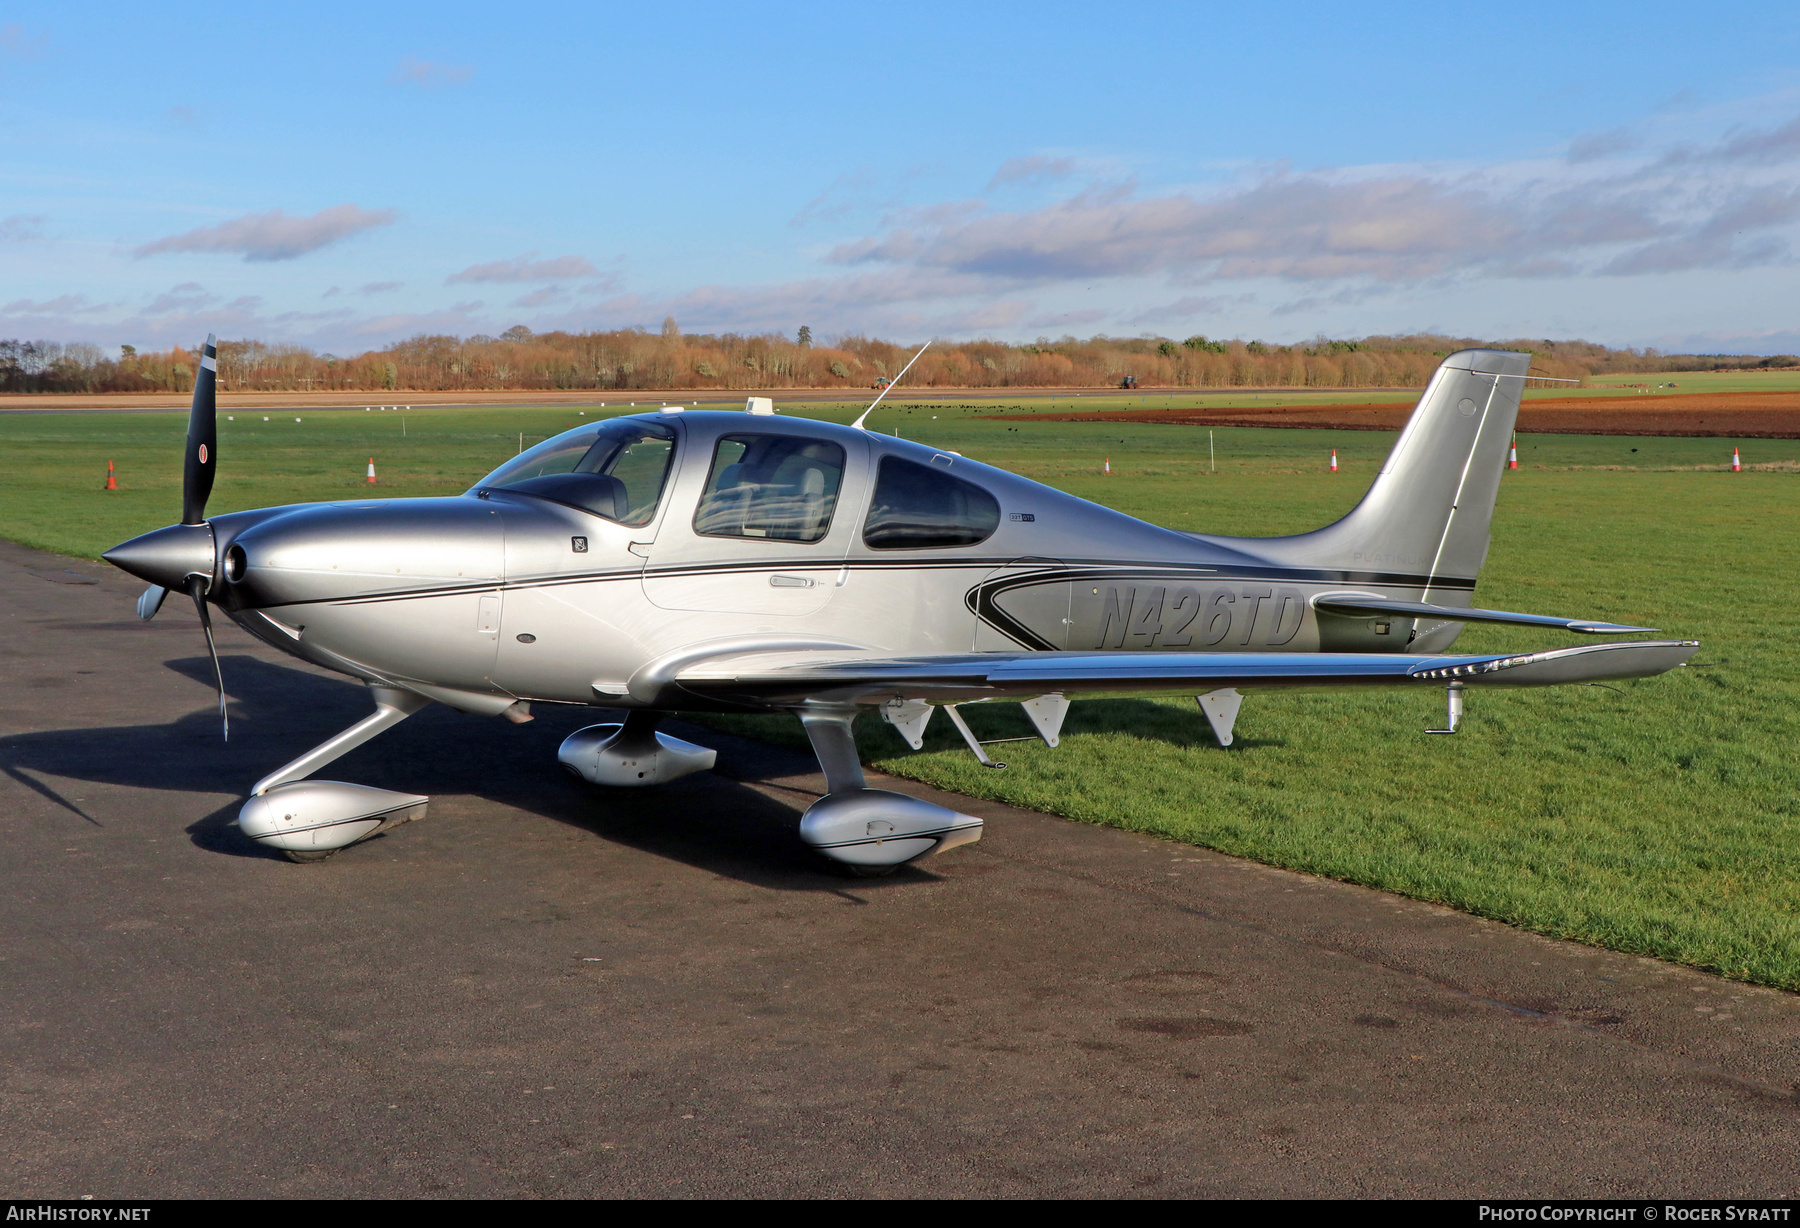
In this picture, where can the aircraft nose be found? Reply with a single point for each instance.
(337, 552)
(167, 557)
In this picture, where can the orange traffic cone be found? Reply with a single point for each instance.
(1737, 465)
(1334, 460)
(1512, 462)
(371, 471)
(1107, 467)
(111, 482)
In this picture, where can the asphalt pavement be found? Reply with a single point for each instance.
(548, 990)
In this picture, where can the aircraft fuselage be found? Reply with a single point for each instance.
(514, 595)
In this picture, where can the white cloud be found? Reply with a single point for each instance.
(985, 318)
(1349, 296)
(431, 74)
(526, 268)
(16, 43)
(1351, 249)
(1772, 341)
(842, 195)
(1034, 166)
(21, 227)
(378, 329)
(1393, 225)
(1754, 147)
(1597, 145)
(274, 235)
(187, 298)
(1729, 239)
(1284, 226)
(66, 304)
(1068, 319)
(1191, 305)
(537, 298)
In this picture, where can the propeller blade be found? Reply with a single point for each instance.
(196, 587)
(202, 437)
(151, 601)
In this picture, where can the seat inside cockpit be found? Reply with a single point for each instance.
(777, 487)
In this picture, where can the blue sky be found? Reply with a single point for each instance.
(341, 176)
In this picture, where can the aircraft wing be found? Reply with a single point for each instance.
(1360, 604)
(777, 678)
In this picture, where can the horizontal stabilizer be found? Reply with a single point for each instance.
(1355, 605)
(1588, 663)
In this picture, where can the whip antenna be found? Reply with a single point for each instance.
(858, 424)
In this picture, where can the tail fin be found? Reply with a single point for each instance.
(1427, 514)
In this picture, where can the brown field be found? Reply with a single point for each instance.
(1746, 415)
(1735, 414)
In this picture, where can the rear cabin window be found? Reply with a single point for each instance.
(778, 487)
(917, 507)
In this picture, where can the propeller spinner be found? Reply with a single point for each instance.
(183, 556)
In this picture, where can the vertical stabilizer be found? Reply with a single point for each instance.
(1428, 511)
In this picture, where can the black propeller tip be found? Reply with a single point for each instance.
(202, 456)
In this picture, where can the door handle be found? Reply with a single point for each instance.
(780, 581)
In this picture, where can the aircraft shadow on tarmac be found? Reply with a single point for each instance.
(710, 820)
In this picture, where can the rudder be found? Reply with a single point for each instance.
(1428, 511)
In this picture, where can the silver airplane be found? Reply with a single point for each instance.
(720, 561)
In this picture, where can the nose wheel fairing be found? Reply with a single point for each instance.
(310, 819)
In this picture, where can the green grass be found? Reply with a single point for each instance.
(1663, 821)
(1704, 381)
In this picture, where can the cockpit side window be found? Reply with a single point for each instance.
(916, 507)
(617, 470)
(779, 487)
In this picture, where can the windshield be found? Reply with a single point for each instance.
(616, 469)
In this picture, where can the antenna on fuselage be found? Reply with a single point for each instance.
(858, 424)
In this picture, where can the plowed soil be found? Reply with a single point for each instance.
(1738, 415)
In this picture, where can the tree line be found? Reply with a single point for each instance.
(626, 359)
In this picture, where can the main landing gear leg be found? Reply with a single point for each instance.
(870, 831)
(309, 820)
(1454, 708)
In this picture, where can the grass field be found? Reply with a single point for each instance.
(1700, 381)
(1663, 820)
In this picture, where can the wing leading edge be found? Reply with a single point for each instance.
(764, 679)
